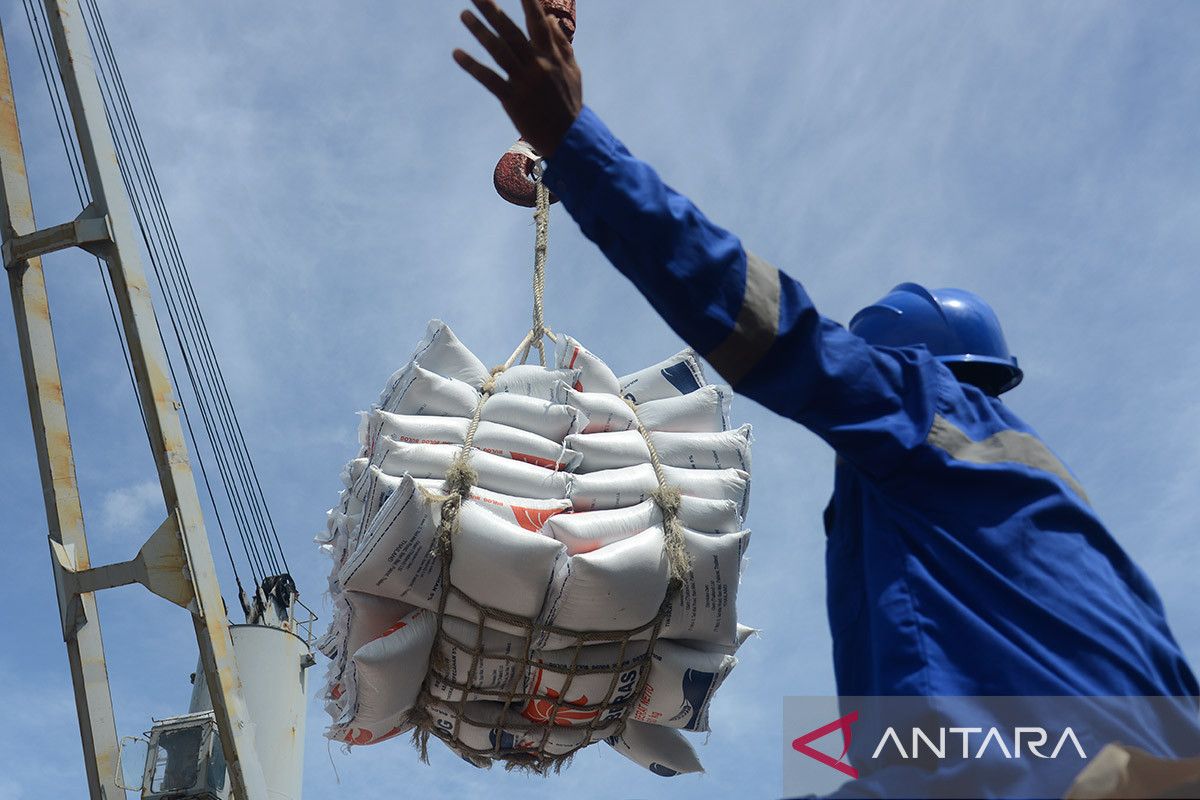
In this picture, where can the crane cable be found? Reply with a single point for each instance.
(47, 60)
(212, 392)
(243, 492)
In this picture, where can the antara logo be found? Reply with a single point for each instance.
(800, 744)
(1034, 739)
(940, 745)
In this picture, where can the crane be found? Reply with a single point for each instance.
(242, 737)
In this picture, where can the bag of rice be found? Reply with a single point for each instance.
(723, 450)
(679, 374)
(491, 437)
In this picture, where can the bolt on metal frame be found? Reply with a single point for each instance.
(176, 562)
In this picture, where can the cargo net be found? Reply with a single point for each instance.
(534, 731)
(533, 558)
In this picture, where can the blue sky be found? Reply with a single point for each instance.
(329, 176)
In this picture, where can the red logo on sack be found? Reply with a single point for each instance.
(532, 519)
(800, 745)
(538, 710)
(361, 736)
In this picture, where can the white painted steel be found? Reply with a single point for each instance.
(271, 662)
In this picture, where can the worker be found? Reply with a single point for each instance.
(963, 558)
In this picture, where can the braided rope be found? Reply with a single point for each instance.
(668, 499)
(541, 244)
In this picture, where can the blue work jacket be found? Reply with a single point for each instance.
(963, 558)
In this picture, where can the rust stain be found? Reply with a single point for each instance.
(37, 305)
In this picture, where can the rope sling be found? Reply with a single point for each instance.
(609, 714)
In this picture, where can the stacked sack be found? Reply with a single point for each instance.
(560, 533)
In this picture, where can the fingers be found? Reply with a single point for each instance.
(562, 44)
(535, 22)
(490, 80)
(497, 49)
(512, 35)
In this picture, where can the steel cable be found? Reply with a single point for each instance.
(47, 60)
(258, 562)
(214, 380)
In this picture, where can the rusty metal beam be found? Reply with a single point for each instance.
(87, 231)
(159, 404)
(56, 460)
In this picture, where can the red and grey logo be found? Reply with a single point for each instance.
(801, 744)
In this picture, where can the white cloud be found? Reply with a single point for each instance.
(129, 510)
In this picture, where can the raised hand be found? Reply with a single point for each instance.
(543, 90)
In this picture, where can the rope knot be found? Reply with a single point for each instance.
(489, 385)
(669, 500)
(460, 477)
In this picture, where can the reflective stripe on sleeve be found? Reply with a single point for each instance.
(1005, 447)
(757, 323)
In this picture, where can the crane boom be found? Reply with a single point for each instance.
(176, 562)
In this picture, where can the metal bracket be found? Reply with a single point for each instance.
(162, 566)
(90, 230)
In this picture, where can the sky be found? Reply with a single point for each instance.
(328, 171)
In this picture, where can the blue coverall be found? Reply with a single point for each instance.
(962, 557)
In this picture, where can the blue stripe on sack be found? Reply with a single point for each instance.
(682, 377)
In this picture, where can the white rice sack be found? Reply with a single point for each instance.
(388, 671)
(704, 410)
(724, 450)
(372, 490)
(615, 588)
(478, 730)
(529, 513)
(500, 440)
(366, 498)
(705, 609)
(358, 619)
(424, 393)
(552, 419)
(352, 472)
(663, 751)
(681, 685)
(496, 563)
(604, 412)
(594, 374)
(743, 633)
(371, 617)
(416, 390)
(334, 540)
(394, 557)
(531, 380)
(442, 353)
(628, 486)
(352, 732)
(501, 565)
(583, 533)
(496, 474)
(680, 374)
(621, 587)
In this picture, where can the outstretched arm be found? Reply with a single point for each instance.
(754, 324)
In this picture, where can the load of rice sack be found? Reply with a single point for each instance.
(578, 585)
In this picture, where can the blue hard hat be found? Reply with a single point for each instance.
(956, 326)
